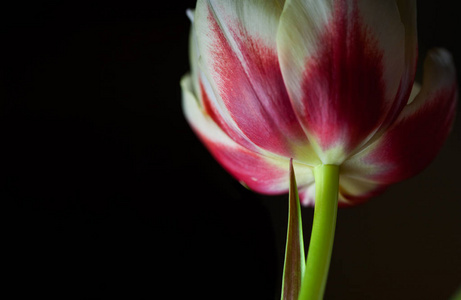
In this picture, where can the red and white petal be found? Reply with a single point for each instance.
(353, 191)
(307, 195)
(342, 62)
(261, 172)
(206, 96)
(193, 53)
(220, 115)
(416, 137)
(407, 10)
(239, 58)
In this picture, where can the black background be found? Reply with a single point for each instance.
(106, 191)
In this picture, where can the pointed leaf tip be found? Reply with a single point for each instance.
(293, 269)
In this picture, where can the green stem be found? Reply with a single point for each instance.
(323, 232)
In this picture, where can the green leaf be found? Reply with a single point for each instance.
(293, 269)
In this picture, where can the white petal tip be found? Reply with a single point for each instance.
(439, 67)
(190, 14)
(441, 55)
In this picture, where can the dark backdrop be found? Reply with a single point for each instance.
(106, 191)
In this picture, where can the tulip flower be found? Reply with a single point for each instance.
(326, 84)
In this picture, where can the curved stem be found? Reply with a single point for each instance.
(323, 232)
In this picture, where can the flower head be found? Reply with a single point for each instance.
(322, 82)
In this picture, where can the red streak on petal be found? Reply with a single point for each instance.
(268, 84)
(210, 109)
(344, 93)
(252, 88)
(249, 167)
(409, 146)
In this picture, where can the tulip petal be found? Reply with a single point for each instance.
(202, 89)
(342, 62)
(407, 10)
(353, 191)
(237, 45)
(415, 138)
(193, 53)
(205, 94)
(260, 171)
(307, 195)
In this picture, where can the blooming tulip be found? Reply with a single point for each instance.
(320, 82)
(318, 90)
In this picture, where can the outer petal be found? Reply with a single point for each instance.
(419, 132)
(239, 57)
(205, 95)
(307, 195)
(193, 52)
(261, 172)
(352, 191)
(407, 10)
(342, 62)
